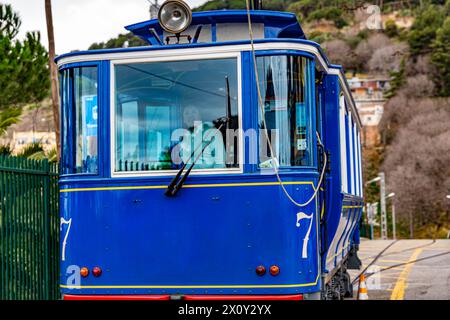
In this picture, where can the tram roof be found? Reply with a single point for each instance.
(276, 24)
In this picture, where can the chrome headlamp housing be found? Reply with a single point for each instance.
(175, 16)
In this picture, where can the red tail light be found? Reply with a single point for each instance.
(97, 272)
(260, 270)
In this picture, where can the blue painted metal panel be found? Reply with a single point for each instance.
(104, 119)
(357, 203)
(334, 252)
(276, 24)
(348, 223)
(353, 215)
(340, 222)
(331, 140)
(355, 236)
(344, 225)
(195, 45)
(249, 114)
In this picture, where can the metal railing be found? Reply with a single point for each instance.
(29, 229)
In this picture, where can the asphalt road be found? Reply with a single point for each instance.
(408, 270)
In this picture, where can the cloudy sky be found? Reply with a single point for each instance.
(79, 23)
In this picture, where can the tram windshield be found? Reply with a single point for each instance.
(166, 111)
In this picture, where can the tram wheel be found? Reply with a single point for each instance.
(347, 285)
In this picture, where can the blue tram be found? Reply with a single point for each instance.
(221, 161)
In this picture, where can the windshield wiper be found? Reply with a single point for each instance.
(176, 184)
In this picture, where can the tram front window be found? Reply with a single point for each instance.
(165, 111)
(79, 100)
(284, 86)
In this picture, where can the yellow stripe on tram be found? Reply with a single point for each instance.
(199, 286)
(189, 186)
(352, 207)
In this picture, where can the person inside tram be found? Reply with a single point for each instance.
(198, 132)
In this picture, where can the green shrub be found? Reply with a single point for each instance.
(318, 36)
(329, 13)
(440, 58)
(5, 150)
(423, 30)
(30, 149)
(391, 29)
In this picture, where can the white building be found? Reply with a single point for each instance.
(368, 94)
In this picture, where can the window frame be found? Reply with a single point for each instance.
(343, 142)
(310, 97)
(237, 55)
(71, 113)
(356, 159)
(351, 155)
(360, 173)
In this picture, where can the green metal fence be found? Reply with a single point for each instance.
(29, 229)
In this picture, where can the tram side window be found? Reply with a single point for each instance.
(284, 83)
(351, 151)
(356, 156)
(79, 98)
(360, 178)
(343, 142)
(167, 111)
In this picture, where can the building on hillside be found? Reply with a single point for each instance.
(35, 125)
(20, 139)
(369, 98)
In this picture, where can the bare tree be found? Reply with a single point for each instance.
(364, 51)
(339, 52)
(366, 48)
(419, 86)
(387, 59)
(417, 161)
(378, 40)
(53, 72)
(418, 65)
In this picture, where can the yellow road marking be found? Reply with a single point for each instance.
(393, 275)
(399, 290)
(392, 261)
(399, 268)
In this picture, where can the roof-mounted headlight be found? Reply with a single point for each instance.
(175, 16)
